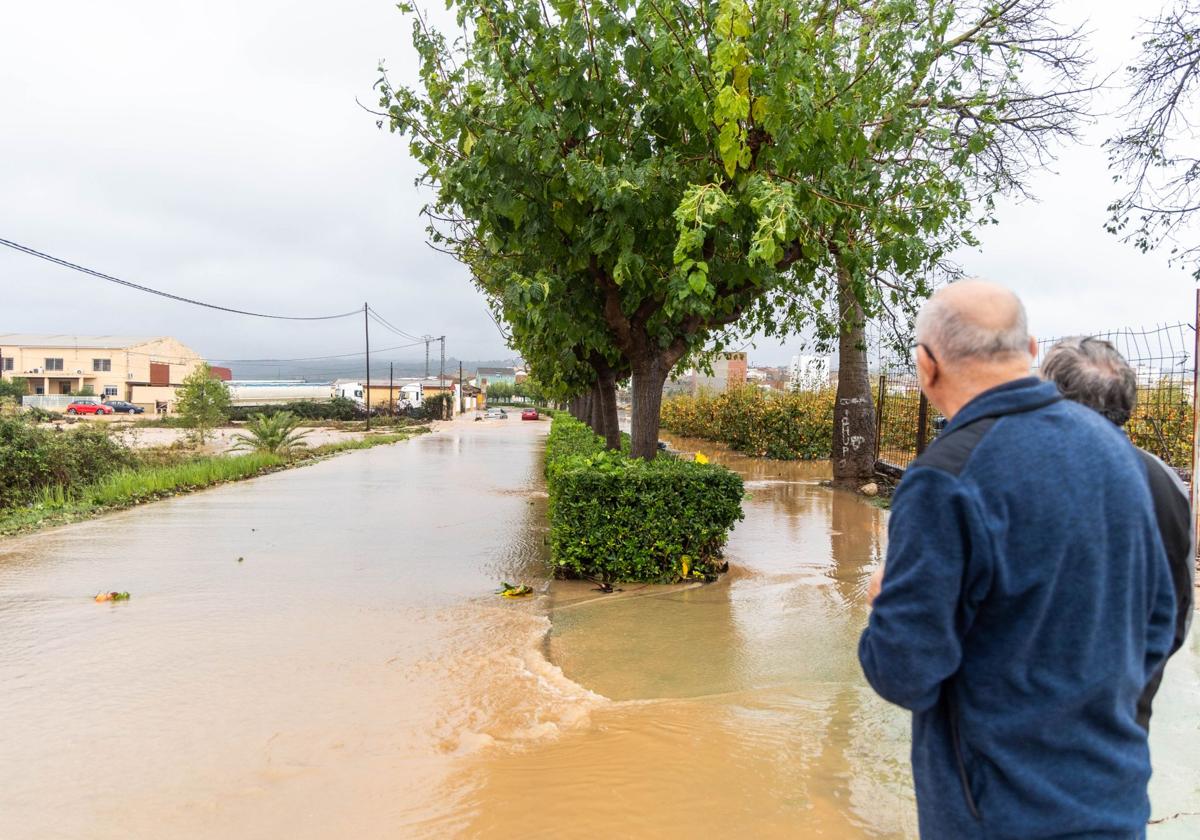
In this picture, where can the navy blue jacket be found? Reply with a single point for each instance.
(1026, 601)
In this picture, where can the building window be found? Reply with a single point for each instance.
(102, 365)
(39, 390)
(8, 363)
(54, 364)
(110, 390)
(65, 388)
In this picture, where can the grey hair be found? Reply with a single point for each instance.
(1091, 372)
(957, 336)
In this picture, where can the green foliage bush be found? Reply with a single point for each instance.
(338, 408)
(438, 407)
(782, 426)
(33, 458)
(614, 518)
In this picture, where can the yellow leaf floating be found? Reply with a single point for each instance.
(507, 590)
(701, 458)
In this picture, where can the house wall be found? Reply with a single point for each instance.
(128, 367)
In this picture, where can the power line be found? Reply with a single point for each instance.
(359, 354)
(386, 324)
(73, 266)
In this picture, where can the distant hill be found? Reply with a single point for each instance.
(319, 371)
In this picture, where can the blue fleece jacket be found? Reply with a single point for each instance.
(1025, 603)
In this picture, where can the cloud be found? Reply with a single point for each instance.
(216, 150)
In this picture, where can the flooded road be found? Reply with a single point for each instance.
(320, 688)
(738, 709)
(355, 677)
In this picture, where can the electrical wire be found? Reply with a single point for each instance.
(319, 358)
(386, 324)
(73, 266)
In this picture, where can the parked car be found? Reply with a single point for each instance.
(88, 407)
(122, 407)
(529, 414)
(496, 414)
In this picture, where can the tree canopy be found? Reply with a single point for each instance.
(644, 179)
(1155, 157)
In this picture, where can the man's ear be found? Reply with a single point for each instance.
(1033, 347)
(926, 365)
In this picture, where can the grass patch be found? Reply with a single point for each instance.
(58, 505)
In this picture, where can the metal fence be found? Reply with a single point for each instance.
(1163, 421)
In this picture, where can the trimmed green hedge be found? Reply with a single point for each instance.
(613, 518)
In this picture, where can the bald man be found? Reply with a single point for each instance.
(1026, 599)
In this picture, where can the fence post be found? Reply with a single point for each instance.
(1195, 418)
(922, 422)
(879, 414)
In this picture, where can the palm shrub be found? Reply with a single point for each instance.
(275, 434)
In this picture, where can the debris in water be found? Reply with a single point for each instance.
(112, 596)
(507, 590)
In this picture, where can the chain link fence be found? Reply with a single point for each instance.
(1163, 421)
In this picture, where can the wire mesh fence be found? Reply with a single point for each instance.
(1163, 420)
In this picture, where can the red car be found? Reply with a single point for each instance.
(529, 414)
(88, 407)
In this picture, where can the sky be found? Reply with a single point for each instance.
(216, 150)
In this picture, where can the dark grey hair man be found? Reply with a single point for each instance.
(1091, 372)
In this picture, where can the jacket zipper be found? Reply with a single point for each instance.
(958, 759)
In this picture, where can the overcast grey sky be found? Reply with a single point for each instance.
(215, 150)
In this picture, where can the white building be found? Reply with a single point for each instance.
(808, 373)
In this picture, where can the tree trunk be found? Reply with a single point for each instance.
(649, 376)
(585, 411)
(606, 391)
(854, 412)
(597, 418)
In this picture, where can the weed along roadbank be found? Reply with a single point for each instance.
(124, 477)
(323, 652)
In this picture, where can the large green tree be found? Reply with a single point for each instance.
(691, 170)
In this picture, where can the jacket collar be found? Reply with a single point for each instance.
(1025, 394)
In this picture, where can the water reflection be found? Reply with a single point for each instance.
(738, 708)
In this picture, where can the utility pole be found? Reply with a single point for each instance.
(442, 368)
(427, 340)
(367, 384)
(391, 395)
(462, 391)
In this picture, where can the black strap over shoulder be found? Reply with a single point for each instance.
(950, 452)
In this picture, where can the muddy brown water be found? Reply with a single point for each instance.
(355, 676)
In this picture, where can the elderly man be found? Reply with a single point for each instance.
(1026, 598)
(1091, 372)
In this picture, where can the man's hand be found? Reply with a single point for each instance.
(875, 586)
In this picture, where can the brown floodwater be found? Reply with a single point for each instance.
(355, 676)
(737, 709)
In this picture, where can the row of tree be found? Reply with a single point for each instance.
(636, 184)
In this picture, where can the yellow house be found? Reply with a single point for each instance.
(139, 370)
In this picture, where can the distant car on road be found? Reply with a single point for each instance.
(529, 414)
(496, 414)
(88, 407)
(122, 407)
